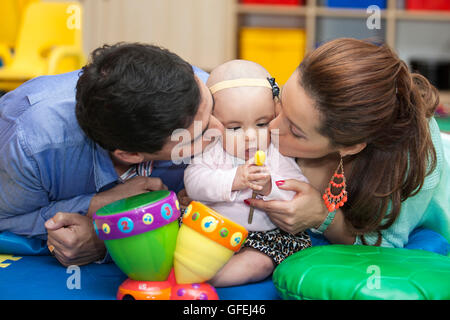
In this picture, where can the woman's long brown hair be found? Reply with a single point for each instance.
(365, 93)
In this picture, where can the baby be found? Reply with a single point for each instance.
(225, 175)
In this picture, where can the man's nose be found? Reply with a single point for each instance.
(215, 126)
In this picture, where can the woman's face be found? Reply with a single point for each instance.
(296, 124)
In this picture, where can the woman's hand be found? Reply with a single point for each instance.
(306, 210)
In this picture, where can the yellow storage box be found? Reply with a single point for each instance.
(278, 50)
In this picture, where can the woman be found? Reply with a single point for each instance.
(355, 103)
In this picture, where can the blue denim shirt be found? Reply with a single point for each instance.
(47, 164)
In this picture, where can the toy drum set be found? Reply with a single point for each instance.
(206, 241)
(143, 237)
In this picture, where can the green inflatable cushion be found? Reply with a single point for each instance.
(344, 272)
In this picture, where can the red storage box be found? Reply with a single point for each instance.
(277, 2)
(428, 4)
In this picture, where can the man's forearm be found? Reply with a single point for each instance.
(102, 199)
(31, 224)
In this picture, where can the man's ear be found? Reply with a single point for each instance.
(128, 157)
(351, 150)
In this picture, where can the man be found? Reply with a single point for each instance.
(70, 143)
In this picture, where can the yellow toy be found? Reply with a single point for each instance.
(11, 14)
(260, 158)
(49, 42)
(206, 241)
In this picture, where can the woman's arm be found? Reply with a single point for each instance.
(338, 231)
(306, 210)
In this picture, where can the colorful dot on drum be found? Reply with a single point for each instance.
(181, 292)
(177, 204)
(106, 228)
(209, 224)
(224, 232)
(125, 225)
(147, 219)
(95, 227)
(166, 211)
(187, 212)
(236, 239)
(195, 216)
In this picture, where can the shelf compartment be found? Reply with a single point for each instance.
(355, 4)
(279, 50)
(423, 15)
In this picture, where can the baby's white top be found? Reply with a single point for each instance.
(209, 179)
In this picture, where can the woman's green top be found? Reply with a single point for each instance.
(430, 208)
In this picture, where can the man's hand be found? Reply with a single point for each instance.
(73, 236)
(132, 187)
(74, 239)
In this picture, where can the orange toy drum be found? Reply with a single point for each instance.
(206, 241)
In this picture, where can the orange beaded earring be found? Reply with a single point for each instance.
(336, 195)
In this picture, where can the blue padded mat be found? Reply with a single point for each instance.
(42, 277)
(27, 272)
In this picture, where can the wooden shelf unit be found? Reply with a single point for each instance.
(311, 11)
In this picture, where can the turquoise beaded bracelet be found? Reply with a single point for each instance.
(321, 229)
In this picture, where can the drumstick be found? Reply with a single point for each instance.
(260, 158)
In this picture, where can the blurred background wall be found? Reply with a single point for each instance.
(198, 30)
(274, 33)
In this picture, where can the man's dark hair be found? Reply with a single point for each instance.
(133, 96)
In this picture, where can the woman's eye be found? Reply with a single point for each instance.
(297, 135)
(262, 125)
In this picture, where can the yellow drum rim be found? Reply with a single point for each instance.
(214, 226)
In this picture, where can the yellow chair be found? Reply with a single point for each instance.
(11, 13)
(49, 42)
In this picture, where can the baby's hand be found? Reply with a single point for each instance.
(254, 177)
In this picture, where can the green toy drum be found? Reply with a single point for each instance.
(140, 233)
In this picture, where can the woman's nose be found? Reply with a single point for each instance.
(276, 125)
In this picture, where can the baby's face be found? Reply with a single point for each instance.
(245, 113)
